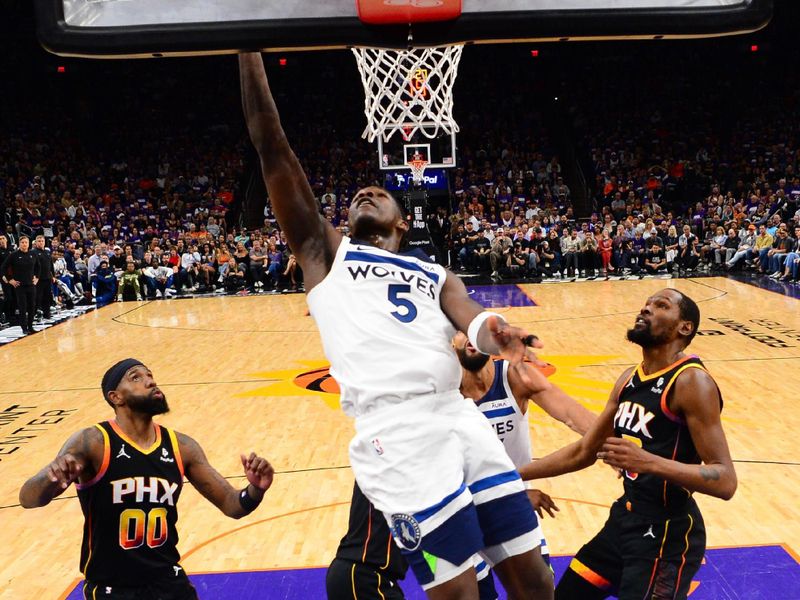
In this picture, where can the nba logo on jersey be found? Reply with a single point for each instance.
(378, 448)
(405, 530)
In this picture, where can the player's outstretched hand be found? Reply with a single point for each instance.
(258, 471)
(511, 340)
(542, 501)
(64, 470)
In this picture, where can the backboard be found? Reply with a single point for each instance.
(397, 153)
(147, 28)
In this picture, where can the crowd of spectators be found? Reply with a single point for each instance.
(148, 208)
(681, 181)
(133, 209)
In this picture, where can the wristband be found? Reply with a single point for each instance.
(475, 327)
(247, 502)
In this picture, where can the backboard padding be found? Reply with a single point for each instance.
(108, 28)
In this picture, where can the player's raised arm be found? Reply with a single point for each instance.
(216, 489)
(582, 453)
(312, 239)
(76, 459)
(697, 399)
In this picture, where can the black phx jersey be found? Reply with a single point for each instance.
(643, 417)
(129, 534)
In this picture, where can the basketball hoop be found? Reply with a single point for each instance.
(409, 91)
(417, 166)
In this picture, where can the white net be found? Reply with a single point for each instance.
(417, 167)
(408, 91)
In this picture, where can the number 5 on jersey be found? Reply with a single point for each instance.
(406, 312)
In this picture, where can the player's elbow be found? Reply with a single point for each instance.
(729, 489)
(233, 509)
(27, 500)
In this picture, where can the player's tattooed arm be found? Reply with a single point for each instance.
(709, 473)
(214, 487)
(78, 460)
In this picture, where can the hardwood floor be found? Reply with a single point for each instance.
(233, 370)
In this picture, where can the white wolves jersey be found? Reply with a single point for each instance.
(511, 426)
(382, 327)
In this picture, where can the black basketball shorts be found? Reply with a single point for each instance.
(636, 556)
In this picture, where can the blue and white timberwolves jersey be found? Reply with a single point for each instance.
(511, 426)
(382, 327)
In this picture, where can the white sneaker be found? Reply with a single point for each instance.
(159, 294)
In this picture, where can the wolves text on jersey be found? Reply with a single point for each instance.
(371, 271)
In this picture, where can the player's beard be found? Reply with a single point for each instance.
(473, 363)
(148, 404)
(644, 337)
(367, 225)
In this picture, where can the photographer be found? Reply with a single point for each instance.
(517, 262)
(501, 250)
(548, 260)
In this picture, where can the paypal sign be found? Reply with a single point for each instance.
(434, 179)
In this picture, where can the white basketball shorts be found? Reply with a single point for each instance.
(435, 468)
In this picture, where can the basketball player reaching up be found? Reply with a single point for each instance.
(424, 457)
(662, 427)
(129, 475)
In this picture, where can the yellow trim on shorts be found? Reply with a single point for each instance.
(379, 587)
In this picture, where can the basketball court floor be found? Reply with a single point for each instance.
(248, 373)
